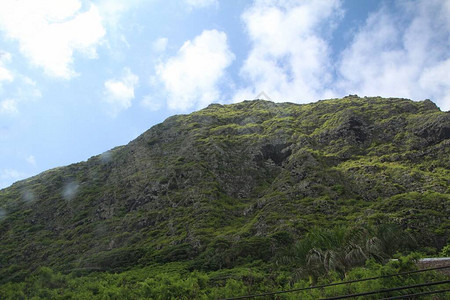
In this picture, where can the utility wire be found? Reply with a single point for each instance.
(334, 284)
(417, 294)
(388, 290)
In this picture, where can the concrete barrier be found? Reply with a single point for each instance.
(426, 263)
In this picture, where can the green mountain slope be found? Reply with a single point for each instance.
(236, 183)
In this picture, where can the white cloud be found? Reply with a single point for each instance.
(114, 17)
(8, 106)
(160, 45)
(5, 74)
(289, 58)
(24, 90)
(49, 32)
(11, 174)
(201, 3)
(436, 80)
(119, 93)
(191, 77)
(113, 10)
(406, 56)
(152, 103)
(31, 160)
(402, 50)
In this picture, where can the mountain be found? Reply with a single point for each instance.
(232, 184)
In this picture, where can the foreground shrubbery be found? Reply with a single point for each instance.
(176, 281)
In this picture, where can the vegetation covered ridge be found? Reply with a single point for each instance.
(281, 189)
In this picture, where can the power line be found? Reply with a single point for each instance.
(334, 284)
(399, 288)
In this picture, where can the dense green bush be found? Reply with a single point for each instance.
(174, 281)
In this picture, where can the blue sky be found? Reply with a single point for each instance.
(78, 78)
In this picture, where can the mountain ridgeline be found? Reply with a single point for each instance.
(232, 184)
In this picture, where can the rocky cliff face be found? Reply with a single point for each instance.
(234, 172)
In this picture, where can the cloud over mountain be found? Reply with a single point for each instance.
(191, 77)
(50, 32)
(404, 56)
(401, 50)
(120, 92)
